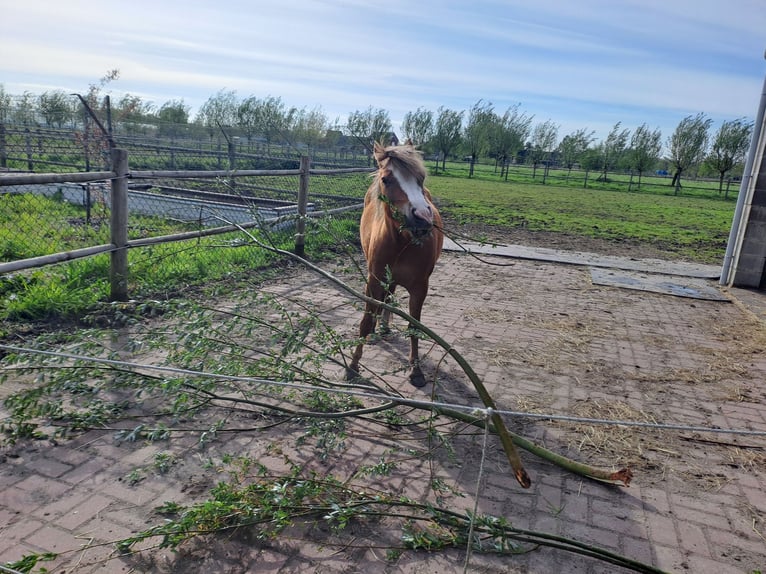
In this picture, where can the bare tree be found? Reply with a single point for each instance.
(418, 126)
(645, 147)
(688, 145)
(477, 130)
(447, 132)
(729, 147)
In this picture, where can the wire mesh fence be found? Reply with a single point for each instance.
(182, 226)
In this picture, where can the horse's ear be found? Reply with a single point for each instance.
(379, 151)
(408, 142)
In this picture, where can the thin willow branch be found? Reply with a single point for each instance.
(505, 438)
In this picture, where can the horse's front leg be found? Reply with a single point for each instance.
(366, 326)
(417, 296)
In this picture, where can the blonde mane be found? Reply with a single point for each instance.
(404, 157)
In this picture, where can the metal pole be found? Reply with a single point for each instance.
(747, 176)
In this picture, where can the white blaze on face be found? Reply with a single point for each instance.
(414, 193)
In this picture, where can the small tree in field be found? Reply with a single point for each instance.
(418, 126)
(645, 146)
(572, 148)
(477, 131)
(447, 132)
(544, 138)
(687, 145)
(729, 147)
(507, 136)
(612, 149)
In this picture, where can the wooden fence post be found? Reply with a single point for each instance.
(303, 194)
(118, 271)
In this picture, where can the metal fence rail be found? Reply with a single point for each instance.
(112, 211)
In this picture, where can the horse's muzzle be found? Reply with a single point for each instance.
(419, 227)
(420, 222)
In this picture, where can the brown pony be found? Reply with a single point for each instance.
(401, 238)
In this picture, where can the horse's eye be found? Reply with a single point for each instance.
(386, 180)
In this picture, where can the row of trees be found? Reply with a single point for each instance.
(506, 137)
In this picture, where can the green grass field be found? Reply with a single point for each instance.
(693, 227)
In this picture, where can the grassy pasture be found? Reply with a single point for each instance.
(689, 227)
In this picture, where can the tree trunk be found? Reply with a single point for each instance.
(676, 183)
(720, 182)
(470, 167)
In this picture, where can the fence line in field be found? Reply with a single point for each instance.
(117, 201)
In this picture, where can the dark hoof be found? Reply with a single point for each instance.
(352, 375)
(417, 379)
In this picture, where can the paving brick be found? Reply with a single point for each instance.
(49, 466)
(671, 559)
(704, 565)
(53, 539)
(692, 538)
(662, 529)
(20, 528)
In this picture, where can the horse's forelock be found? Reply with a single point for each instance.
(405, 157)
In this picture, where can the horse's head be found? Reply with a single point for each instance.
(400, 178)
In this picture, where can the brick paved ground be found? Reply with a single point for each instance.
(544, 339)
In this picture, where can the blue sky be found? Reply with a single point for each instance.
(582, 64)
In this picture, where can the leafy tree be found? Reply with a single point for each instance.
(645, 147)
(447, 132)
(477, 130)
(24, 110)
(55, 107)
(612, 149)
(218, 110)
(310, 126)
(249, 117)
(418, 126)
(573, 146)
(543, 142)
(5, 105)
(591, 160)
(507, 135)
(172, 115)
(729, 147)
(688, 145)
(369, 126)
(131, 111)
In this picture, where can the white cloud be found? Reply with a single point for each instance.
(580, 63)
